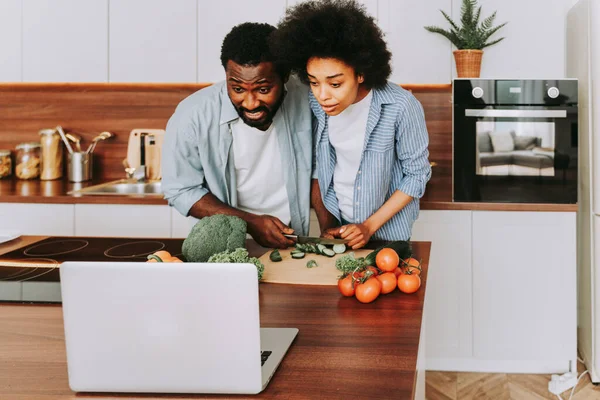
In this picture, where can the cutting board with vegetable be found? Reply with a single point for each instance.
(295, 270)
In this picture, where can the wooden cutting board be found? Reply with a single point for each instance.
(294, 271)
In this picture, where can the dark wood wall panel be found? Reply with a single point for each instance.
(88, 109)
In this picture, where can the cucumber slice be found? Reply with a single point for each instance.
(275, 256)
(320, 248)
(311, 264)
(297, 255)
(339, 248)
(328, 252)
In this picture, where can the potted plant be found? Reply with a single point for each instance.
(470, 38)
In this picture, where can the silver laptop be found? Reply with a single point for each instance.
(167, 328)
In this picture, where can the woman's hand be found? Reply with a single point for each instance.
(331, 233)
(357, 235)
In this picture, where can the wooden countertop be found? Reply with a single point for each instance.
(344, 350)
(438, 196)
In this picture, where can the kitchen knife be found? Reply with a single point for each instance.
(315, 240)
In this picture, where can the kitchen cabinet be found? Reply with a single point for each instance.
(123, 220)
(65, 40)
(215, 22)
(524, 291)
(181, 225)
(534, 44)
(419, 56)
(38, 219)
(448, 304)
(10, 45)
(153, 40)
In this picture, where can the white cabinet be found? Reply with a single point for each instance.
(38, 219)
(65, 40)
(534, 44)
(153, 40)
(214, 22)
(123, 220)
(449, 286)
(524, 291)
(418, 56)
(10, 44)
(180, 225)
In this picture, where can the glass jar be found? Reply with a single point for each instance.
(28, 160)
(5, 164)
(52, 154)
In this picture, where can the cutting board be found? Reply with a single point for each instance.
(153, 152)
(294, 271)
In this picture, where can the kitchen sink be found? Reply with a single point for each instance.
(123, 187)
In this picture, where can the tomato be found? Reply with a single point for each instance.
(345, 286)
(409, 283)
(368, 291)
(388, 282)
(413, 265)
(398, 272)
(387, 260)
(374, 270)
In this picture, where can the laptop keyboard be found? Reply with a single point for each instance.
(263, 356)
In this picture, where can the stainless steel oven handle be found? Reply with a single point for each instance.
(516, 113)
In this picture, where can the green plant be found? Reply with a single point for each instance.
(213, 235)
(471, 34)
(238, 256)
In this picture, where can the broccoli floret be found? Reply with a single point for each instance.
(238, 256)
(213, 235)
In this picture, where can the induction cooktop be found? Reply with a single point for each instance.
(31, 274)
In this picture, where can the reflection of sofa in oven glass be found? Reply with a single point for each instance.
(522, 152)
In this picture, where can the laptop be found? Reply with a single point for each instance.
(167, 328)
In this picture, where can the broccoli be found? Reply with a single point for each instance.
(213, 235)
(238, 256)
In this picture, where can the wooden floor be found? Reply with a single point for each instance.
(480, 386)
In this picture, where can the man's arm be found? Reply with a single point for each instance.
(326, 220)
(265, 229)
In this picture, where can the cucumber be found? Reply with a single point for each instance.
(339, 248)
(328, 252)
(298, 254)
(275, 256)
(320, 248)
(402, 247)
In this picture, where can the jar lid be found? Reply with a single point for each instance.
(28, 146)
(4, 152)
(49, 131)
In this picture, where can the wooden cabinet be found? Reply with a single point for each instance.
(38, 219)
(10, 44)
(214, 22)
(153, 40)
(65, 40)
(120, 220)
(524, 291)
(449, 287)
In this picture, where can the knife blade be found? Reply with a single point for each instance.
(315, 240)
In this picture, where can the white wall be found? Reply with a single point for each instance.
(166, 41)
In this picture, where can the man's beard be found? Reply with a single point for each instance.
(264, 122)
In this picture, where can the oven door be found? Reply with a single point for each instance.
(515, 154)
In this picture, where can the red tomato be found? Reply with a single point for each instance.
(409, 283)
(398, 272)
(368, 291)
(345, 286)
(374, 270)
(413, 265)
(388, 282)
(387, 260)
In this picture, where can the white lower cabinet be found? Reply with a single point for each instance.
(181, 225)
(123, 220)
(38, 219)
(524, 291)
(449, 287)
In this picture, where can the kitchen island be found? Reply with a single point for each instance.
(344, 349)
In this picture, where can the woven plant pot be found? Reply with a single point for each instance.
(468, 63)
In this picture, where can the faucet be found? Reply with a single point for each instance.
(139, 174)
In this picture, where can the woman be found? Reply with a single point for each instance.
(370, 137)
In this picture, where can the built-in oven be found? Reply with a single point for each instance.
(515, 141)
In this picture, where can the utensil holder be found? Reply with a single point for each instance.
(79, 166)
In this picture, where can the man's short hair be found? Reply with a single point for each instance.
(248, 44)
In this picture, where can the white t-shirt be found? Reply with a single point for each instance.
(259, 171)
(347, 136)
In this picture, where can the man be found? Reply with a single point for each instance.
(243, 147)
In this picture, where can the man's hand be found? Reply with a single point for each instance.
(357, 234)
(268, 231)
